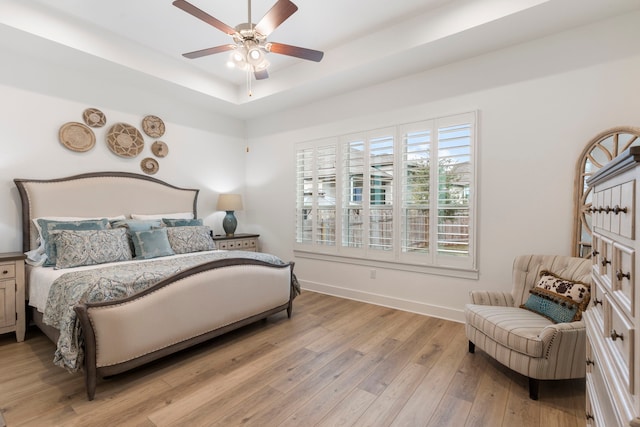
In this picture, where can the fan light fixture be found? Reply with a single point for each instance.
(250, 40)
(248, 57)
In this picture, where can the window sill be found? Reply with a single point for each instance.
(392, 265)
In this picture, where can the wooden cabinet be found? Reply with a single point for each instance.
(613, 317)
(237, 242)
(12, 298)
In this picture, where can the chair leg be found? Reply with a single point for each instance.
(534, 385)
(472, 347)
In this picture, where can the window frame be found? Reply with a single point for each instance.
(432, 261)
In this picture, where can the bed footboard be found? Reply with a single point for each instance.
(188, 308)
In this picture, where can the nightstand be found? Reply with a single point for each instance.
(237, 242)
(12, 298)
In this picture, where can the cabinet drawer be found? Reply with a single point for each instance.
(619, 338)
(599, 407)
(7, 270)
(626, 209)
(604, 261)
(623, 278)
(613, 209)
(7, 303)
(597, 306)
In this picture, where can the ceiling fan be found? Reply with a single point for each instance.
(250, 40)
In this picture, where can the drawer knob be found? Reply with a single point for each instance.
(590, 362)
(605, 262)
(617, 209)
(594, 253)
(620, 275)
(5, 271)
(589, 417)
(615, 335)
(597, 301)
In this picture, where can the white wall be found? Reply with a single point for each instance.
(37, 97)
(539, 104)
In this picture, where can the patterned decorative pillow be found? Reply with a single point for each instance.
(175, 222)
(558, 299)
(151, 243)
(50, 227)
(190, 239)
(577, 291)
(89, 247)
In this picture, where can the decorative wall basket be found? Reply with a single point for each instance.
(149, 165)
(125, 140)
(153, 126)
(94, 117)
(159, 149)
(77, 137)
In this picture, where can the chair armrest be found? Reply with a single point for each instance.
(550, 332)
(503, 299)
(565, 349)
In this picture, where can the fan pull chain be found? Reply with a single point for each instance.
(249, 83)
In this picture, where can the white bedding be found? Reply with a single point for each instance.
(40, 279)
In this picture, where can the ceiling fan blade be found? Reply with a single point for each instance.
(204, 16)
(298, 52)
(279, 13)
(209, 51)
(261, 74)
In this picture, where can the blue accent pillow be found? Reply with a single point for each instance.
(49, 227)
(555, 307)
(151, 243)
(171, 222)
(134, 225)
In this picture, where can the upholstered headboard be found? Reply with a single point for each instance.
(101, 194)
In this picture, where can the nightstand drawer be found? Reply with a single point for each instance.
(248, 244)
(238, 242)
(7, 270)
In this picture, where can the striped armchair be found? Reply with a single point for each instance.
(523, 340)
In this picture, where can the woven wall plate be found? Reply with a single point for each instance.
(149, 165)
(125, 140)
(153, 126)
(160, 149)
(94, 117)
(77, 137)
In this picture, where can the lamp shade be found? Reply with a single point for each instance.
(229, 202)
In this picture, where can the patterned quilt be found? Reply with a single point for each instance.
(111, 283)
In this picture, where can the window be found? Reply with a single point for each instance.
(403, 194)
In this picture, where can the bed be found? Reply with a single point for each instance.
(122, 307)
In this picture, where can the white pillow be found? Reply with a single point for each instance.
(178, 215)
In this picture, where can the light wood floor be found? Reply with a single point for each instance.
(334, 363)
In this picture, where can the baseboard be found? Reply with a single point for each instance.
(386, 301)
